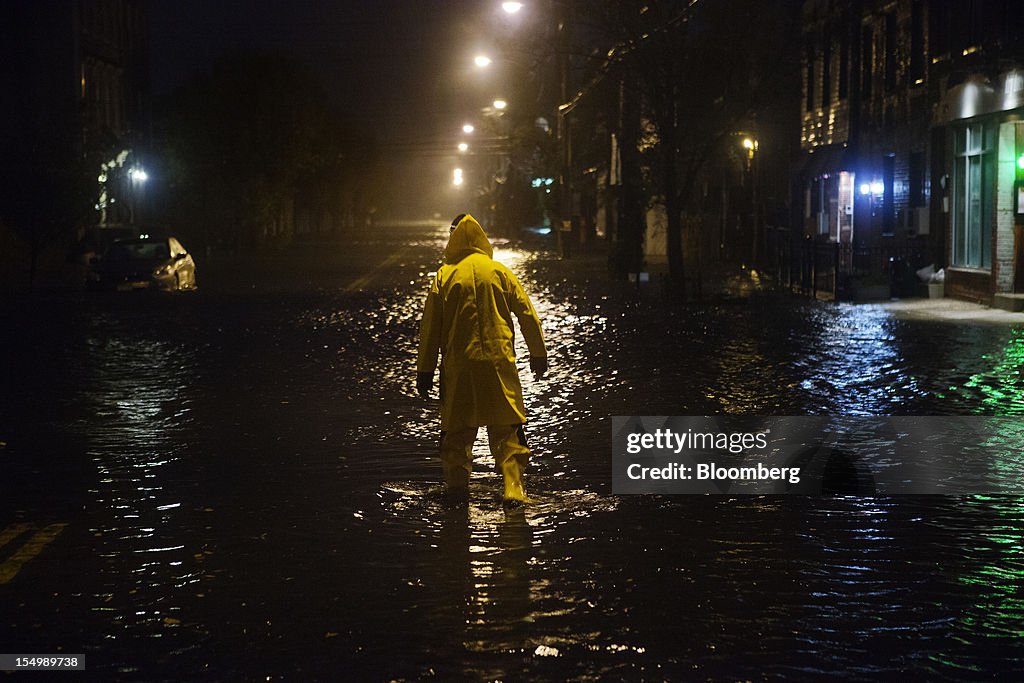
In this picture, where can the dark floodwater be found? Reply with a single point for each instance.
(249, 489)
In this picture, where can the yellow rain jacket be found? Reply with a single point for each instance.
(468, 318)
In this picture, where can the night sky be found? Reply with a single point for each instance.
(399, 64)
(401, 69)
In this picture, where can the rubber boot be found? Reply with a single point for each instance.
(510, 458)
(457, 461)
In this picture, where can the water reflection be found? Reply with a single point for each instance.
(496, 590)
(993, 579)
(136, 407)
(264, 491)
(854, 364)
(745, 377)
(999, 389)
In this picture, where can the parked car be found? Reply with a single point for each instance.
(144, 263)
(96, 240)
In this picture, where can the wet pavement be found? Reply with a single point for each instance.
(239, 484)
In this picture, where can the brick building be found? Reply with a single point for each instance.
(909, 136)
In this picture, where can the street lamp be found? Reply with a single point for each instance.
(457, 178)
(483, 61)
(467, 128)
(463, 147)
(500, 104)
(511, 7)
(750, 144)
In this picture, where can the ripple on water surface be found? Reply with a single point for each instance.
(262, 478)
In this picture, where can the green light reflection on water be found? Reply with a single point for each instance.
(995, 581)
(1001, 389)
(995, 561)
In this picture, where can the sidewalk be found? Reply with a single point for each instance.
(740, 283)
(950, 310)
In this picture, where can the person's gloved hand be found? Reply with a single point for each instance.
(424, 383)
(539, 365)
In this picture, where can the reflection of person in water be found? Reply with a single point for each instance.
(833, 471)
(486, 589)
(846, 475)
(468, 319)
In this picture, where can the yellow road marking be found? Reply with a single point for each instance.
(12, 532)
(32, 548)
(361, 282)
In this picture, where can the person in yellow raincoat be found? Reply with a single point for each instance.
(467, 317)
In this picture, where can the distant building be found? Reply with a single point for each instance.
(72, 74)
(909, 136)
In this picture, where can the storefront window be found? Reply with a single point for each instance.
(972, 197)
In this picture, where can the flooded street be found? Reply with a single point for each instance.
(241, 484)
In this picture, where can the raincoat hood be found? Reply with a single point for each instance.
(467, 238)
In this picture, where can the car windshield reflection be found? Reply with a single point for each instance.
(138, 251)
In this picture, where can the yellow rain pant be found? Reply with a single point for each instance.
(508, 446)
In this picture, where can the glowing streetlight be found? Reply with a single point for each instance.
(481, 60)
(511, 7)
(463, 146)
(137, 175)
(750, 144)
(874, 189)
(500, 104)
(467, 128)
(457, 178)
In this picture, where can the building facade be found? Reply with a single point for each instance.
(73, 76)
(978, 137)
(909, 137)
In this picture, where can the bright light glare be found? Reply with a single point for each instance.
(511, 7)
(500, 104)
(748, 143)
(463, 146)
(481, 60)
(457, 178)
(468, 128)
(877, 187)
(138, 175)
(865, 188)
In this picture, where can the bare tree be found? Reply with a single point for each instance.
(693, 74)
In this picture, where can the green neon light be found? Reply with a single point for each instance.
(1020, 162)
